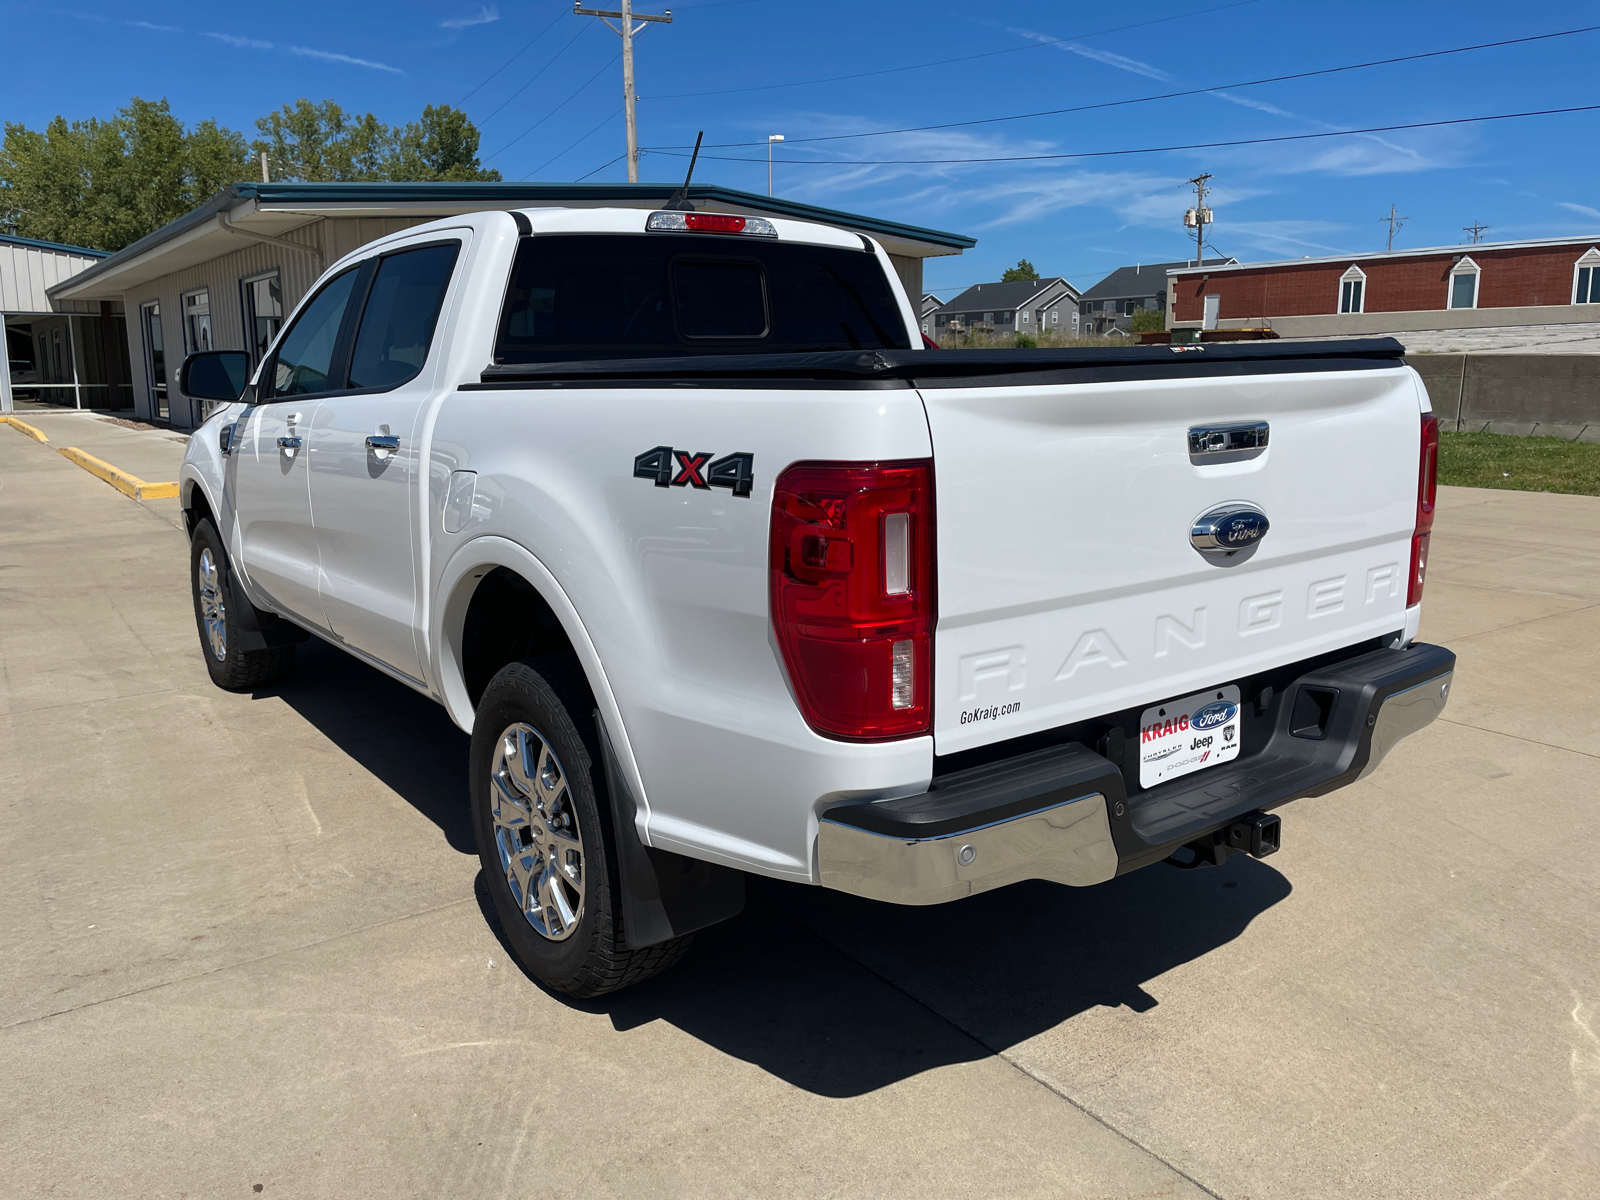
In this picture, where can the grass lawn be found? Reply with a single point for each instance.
(1523, 464)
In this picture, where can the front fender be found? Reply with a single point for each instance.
(457, 583)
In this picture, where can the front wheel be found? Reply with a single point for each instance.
(229, 667)
(543, 840)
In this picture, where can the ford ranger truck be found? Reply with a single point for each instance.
(725, 573)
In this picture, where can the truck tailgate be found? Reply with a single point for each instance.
(1067, 583)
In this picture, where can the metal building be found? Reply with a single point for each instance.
(58, 355)
(225, 275)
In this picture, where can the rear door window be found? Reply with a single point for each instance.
(575, 296)
(401, 312)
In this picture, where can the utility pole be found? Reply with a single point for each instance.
(1198, 217)
(1475, 231)
(627, 29)
(1395, 223)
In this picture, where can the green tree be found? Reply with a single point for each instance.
(441, 146)
(1148, 320)
(108, 183)
(321, 143)
(1023, 270)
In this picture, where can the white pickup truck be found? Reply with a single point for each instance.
(725, 572)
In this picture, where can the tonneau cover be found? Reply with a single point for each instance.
(946, 367)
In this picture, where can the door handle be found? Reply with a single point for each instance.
(380, 441)
(288, 443)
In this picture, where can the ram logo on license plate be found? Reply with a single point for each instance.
(1187, 735)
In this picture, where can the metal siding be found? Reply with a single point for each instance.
(26, 271)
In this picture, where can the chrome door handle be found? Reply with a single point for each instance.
(379, 441)
(288, 443)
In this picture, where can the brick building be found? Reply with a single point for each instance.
(1453, 287)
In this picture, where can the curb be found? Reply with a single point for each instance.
(128, 485)
(23, 427)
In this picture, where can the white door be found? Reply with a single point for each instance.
(271, 481)
(1213, 303)
(365, 473)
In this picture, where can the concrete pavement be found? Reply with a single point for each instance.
(244, 944)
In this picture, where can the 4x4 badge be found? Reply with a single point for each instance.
(666, 467)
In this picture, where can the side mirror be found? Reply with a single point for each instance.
(215, 375)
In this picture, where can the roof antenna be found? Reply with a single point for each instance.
(679, 201)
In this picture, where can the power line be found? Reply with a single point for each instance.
(603, 166)
(512, 59)
(536, 75)
(944, 62)
(609, 118)
(1292, 137)
(554, 110)
(1056, 112)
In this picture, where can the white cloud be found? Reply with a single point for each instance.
(1260, 105)
(157, 28)
(243, 43)
(1582, 209)
(330, 56)
(486, 13)
(1121, 63)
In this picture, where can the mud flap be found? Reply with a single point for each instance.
(664, 895)
(254, 628)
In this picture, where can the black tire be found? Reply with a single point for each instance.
(229, 667)
(549, 694)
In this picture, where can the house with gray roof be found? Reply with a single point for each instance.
(1108, 307)
(1030, 306)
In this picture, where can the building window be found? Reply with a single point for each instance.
(1586, 281)
(1026, 317)
(263, 312)
(1086, 307)
(197, 322)
(1464, 284)
(1353, 290)
(155, 358)
(988, 318)
(1055, 316)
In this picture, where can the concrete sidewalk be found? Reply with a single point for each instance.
(151, 454)
(243, 945)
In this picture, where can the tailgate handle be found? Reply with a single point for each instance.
(1211, 445)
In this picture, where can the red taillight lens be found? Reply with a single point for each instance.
(851, 563)
(1427, 486)
(713, 222)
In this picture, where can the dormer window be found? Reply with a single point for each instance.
(1353, 290)
(1464, 284)
(1586, 278)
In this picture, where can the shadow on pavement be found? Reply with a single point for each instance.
(837, 995)
(403, 738)
(842, 996)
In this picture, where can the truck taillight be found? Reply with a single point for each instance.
(1427, 486)
(851, 563)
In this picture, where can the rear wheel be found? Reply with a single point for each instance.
(544, 833)
(229, 667)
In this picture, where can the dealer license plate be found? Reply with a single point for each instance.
(1183, 736)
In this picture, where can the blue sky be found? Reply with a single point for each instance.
(743, 69)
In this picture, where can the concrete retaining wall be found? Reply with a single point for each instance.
(1543, 395)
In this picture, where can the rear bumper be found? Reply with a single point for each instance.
(1065, 813)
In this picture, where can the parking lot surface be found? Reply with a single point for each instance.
(245, 947)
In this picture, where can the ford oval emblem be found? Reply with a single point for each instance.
(1229, 534)
(1212, 715)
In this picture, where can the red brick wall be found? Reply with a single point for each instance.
(1510, 278)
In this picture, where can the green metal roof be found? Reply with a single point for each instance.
(504, 196)
(35, 244)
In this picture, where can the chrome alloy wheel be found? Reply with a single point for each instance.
(213, 609)
(536, 832)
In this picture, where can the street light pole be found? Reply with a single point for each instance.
(627, 29)
(771, 137)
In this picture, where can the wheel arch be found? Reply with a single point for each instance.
(465, 600)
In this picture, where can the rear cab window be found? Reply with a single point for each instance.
(586, 296)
